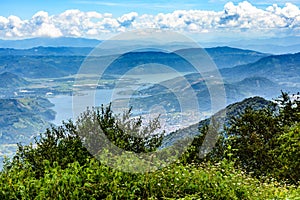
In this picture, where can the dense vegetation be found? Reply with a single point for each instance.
(256, 157)
(21, 118)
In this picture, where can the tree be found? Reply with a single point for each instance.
(100, 126)
(204, 148)
(252, 135)
(287, 155)
(58, 144)
(289, 112)
(72, 141)
(258, 137)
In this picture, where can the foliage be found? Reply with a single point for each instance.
(288, 154)
(263, 142)
(252, 136)
(195, 152)
(94, 181)
(57, 145)
(99, 126)
(71, 142)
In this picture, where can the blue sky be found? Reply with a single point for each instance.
(101, 19)
(26, 8)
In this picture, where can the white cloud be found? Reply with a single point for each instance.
(47, 30)
(237, 18)
(127, 19)
(3, 23)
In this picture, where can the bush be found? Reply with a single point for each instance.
(94, 181)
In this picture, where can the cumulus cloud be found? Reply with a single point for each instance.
(241, 17)
(127, 19)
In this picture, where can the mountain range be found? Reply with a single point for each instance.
(235, 91)
(47, 51)
(225, 56)
(283, 69)
(49, 42)
(275, 45)
(53, 62)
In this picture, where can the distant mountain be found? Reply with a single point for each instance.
(226, 56)
(235, 91)
(47, 51)
(269, 45)
(41, 62)
(256, 82)
(282, 69)
(41, 66)
(49, 42)
(259, 86)
(9, 80)
(278, 41)
(223, 116)
(153, 61)
(275, 45)
(222, 56)
(271, 48)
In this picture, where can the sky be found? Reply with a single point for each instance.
(99, 19)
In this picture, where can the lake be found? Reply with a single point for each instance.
(64, 103)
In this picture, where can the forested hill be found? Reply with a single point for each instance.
(9, 80)
(275, 67)
(22, 119)
(224, 116)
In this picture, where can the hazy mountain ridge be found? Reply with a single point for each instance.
(49, 42)
(278, 45)
(40, 66)
(235, 91)
(275, 45)
(9, 80)
(271, 48)
(277, 68)
(41, 62)
(225, 56)
(47, 51)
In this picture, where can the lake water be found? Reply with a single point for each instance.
(64, 103)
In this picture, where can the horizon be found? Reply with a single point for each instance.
(274, 45)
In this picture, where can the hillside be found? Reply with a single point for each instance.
(20, 119)
(9, 80)
(235, 91)
(223, 115)
(278, 68)
(40, 66)
(225, 57)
